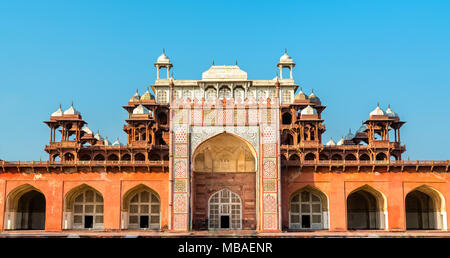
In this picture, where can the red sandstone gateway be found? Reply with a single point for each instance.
(224, 153)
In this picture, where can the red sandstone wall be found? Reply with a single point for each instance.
(112, 186)
(338, 185)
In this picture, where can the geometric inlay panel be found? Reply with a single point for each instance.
(269, 168)
(270, 203)
(270, 221)
(270, 185)
(179, 185)
(179, 203)
(180, 150)
(270, 150)
(180, 168)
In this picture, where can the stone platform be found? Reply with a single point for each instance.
(226, 234)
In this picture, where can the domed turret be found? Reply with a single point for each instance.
(71, 111)
(313, 97)
(301, 95)
(377, 111)
(87, 130)
(147, 95)
(331, 142)
(163, 61)
(58, 112)
(391, 113)
(340, 142)
(163, 58)
(285, 58)
(349, 136)
(136, 97)
(286, 62)
(98, 136)
(117, 142)
(106, 142)
(308, 111)
(140, 110)
(362, 129)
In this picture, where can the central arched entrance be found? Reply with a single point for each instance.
(225, 210)
(224, 184)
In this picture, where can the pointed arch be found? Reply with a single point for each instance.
(336, 157)
(225, 210)
(99, 157)
(364, 157)
(225, 152)
(141, 208)
(113, 157)
(83, 208)
(310, 156)
(381, 156)
(308, 209)
(25, 208)
(366, 209)
(425, 209)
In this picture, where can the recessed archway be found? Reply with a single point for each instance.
(230, 160)
(83, 208)
(141, 208)
(25, 209)
(366, 209)
(308, 209)
(425, 209)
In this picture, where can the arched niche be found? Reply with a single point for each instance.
(425, 209)
(224, 153)
(308, 209)
(141, 208)
(25, 209)
(366, 209)
(83, 208)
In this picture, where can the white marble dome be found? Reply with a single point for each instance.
(331, 142)
(163, 58)
(87, 130)
(285, 58)
(308, 111)
(71, 111)
(140, 110)
(58, 112)
(377, 112)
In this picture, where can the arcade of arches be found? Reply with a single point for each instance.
(225, 205)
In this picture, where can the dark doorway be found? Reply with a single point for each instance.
(306, 221)
(88, 221)
(420, 211)
(225, 221)
(31, 211)
(143, 222)
(362, 211)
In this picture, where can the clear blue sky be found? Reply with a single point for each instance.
(352, 53)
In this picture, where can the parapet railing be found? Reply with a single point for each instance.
(288, 162)
(369, 162)
(87, 163)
